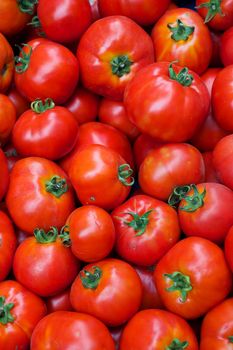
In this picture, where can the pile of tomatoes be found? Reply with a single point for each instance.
(116, 174)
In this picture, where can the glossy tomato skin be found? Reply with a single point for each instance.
(59, 302)
(50, 134)
(6, 63)
(92, 233)
(144, 12)
(210, 172)
(228, 245)
(222, 160)
(156, 329)
(210, 277)
(64, 23)
(227, 47)
(117, 296)
(71, 330)
(8, 245)
(106, 40)
(174, 119)
(7, 118)
(142, 146)
(28, 309)
(194, 51)
(4, 175)
(169, 166)
(28, 202)
(44, 77)
(146, 229)
(21, 104)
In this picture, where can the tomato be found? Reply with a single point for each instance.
(222, 160)
(39, 195)
(8, 245)
(144, 12)
(64, 22)
(217, 327)
(59, 302)
(47, 70)
(110, 290)
(142, 146)
(193, 277)
(101, 177)
(228, 245)
(169, 166)
(218, 14)
(21, 310)
(6, 63)
(7, 118)
(210, 172)
(92, 233)
(110, 52)
(71, 330)
(180, 35)
(84, 105)
(157, 329)
(227, 47)
(174, 118)
(146, 229)
(45, 130)
(113, 113)
(4, 175)
(21, 104)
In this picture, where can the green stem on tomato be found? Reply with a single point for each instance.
(89, 279)
(23, 60)
(5, 315)
(214, 8)
(46, 237)
(230, 338)
(139, 223)
(121, 65)
(178, 194)
(183, 77)
(39, 107)
(181, 283)
(194, 201)
(57, 186)
(176, 344)
(180, 31)
(124, 173)
(65, 236)
(27, 6)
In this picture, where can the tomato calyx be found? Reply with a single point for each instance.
(5, 315)
(139, 223)
(181, 283)
(27, 6)
(230, 338)
(91, 280)
(65, 236)
(46, 237)
(214, 8)
(194, 201)
(176, 344)
(39, 107)
(178, 194)
(180, 31)
(121, 65)
(124, 173)
(23, 62)
(57, 186)
(35, 23)
(183, 77)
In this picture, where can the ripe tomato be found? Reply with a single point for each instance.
(157, 329)
(71, 330)
(6, 63)
(210, 172)
(39, 76)
(110, 290)
(146, 229)
(21, 103)
(180, 35)
(64, 22)
(228, 246)
(168, 166)
(39, 195)
(193, 277)
(7, 118)
(4, 175)
(45, 130)
(59, 302)
(222, 160)
(110, 52)
(226, 51)
(21, 310)
(142, 146)
(91, 232)
(174, 118)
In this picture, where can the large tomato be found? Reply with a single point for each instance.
(226, 51)
(110, 290)
(71, 330)
(6, 63)
(39, 194)
(180, 35)
(7, 118)
(167, 102)
(46, 69)
(4, 175)
(110, 52)
(193, 277)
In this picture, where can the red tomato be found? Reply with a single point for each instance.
(174, 118)
(7, 118)
(222, 160)
(146, 229)
(21, 104)
(113, 113)
(227, 47)
(218, 14)
(92, 233)
(157, 329)
(110, 290)
(228, 246)
(21, 310)
(110, 52)
(48, 69)
(168, 166)
(4, 175)
(101, 177)
(64, 22)
(8, 245)
(142, 146)
(217, 327)
(46, 131)
(210, 172)
(84, 105)
(6, 62)
(39, 195)
(193, 277)
(180, 35)
(59, 302)
(144, 12)
(71, 330)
